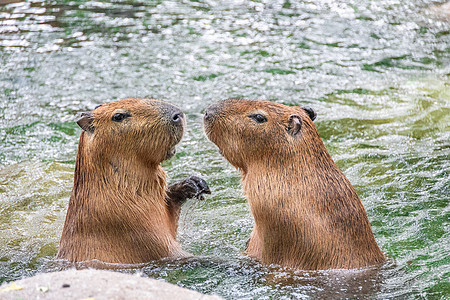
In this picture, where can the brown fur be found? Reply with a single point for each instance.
(118, 211)
(307, 214)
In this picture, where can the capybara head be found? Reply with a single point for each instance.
(143, 129)
(250, 131)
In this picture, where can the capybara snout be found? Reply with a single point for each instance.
(172, 114)
(212, 111)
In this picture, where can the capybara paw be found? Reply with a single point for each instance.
(191, 187)
(196, 187)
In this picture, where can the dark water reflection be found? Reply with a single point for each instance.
(376, 72)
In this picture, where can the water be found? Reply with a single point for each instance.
(376, 72)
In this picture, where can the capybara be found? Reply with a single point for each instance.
(120, 209)
(307, 214)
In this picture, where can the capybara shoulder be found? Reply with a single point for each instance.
(307, 214)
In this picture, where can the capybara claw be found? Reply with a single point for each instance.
(201, 186)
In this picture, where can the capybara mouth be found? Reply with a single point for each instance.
(170, 153)
(208, 120)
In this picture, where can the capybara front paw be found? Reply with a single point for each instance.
(191, 187)
(195, 187)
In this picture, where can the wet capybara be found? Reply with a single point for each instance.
(307, 214)
(120, 209)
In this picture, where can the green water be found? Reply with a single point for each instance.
(376, 72)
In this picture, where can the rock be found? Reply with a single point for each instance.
(441, 11)
(95, 284)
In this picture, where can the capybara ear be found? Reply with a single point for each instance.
(311, 113)
(295, 124)
(85, 122)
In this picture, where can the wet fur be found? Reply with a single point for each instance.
(307, 214)
(119, 211)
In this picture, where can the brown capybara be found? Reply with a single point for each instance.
(120, 209)
(307, 214)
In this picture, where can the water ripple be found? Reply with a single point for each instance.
(376, 72)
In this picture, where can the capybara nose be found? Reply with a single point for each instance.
(177, 117)
(211, 111)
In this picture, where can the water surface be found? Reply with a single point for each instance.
(376, 72)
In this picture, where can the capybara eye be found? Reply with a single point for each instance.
(259, 118)
(119, 117)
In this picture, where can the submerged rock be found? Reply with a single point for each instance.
(95, 284)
